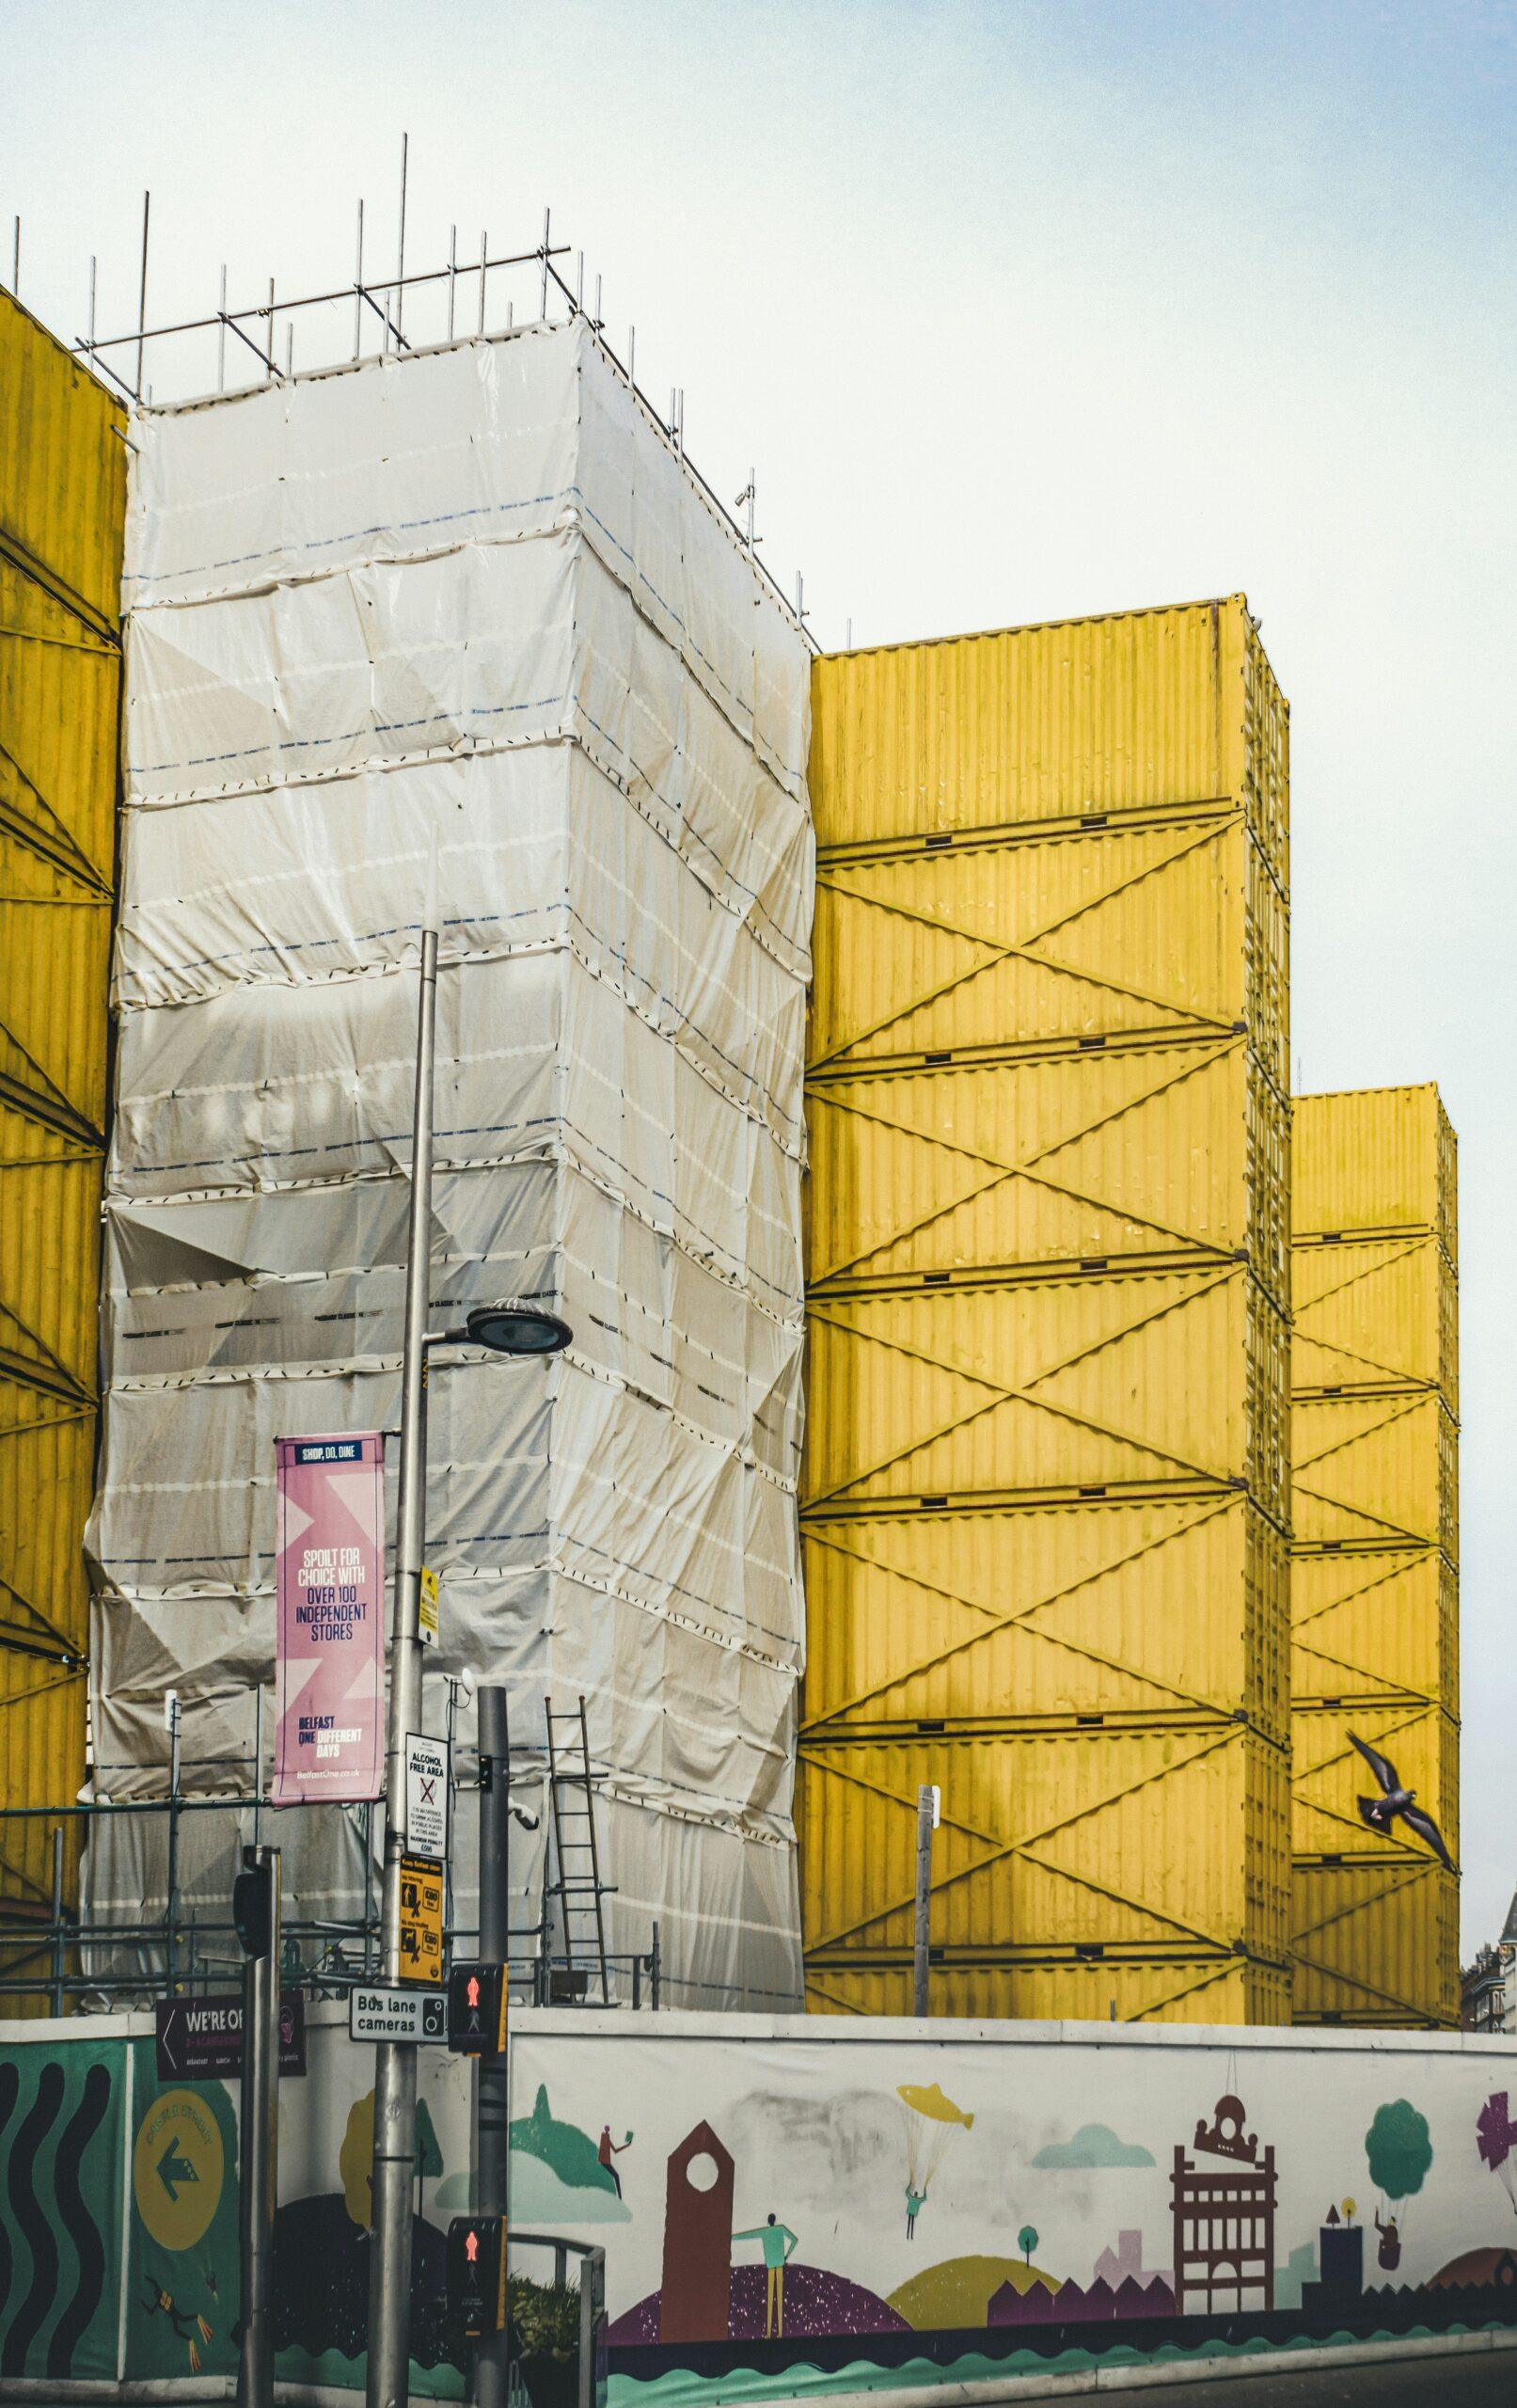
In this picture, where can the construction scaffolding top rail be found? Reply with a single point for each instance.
(379, 304)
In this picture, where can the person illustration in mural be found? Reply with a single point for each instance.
(609, 2151)
(161, 2301)
(779, 2244)
(1390, 2243)
(915, 2201)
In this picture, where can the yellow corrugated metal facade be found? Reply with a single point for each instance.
(1374, 1572)
(62, 505)
(1045, 1502)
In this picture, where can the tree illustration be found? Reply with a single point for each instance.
(1027, 2242)
(428, 2154)
(1399, 2149)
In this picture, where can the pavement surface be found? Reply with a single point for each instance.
(1481, 2379)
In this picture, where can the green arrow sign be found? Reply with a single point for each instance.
(174, 2168)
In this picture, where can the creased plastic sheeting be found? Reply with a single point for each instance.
(470, 597)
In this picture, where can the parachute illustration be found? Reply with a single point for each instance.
(932, 2121)
(1495, 2133)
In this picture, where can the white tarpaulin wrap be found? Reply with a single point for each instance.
(472, 599)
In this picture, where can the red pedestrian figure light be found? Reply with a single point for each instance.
(471, 2246)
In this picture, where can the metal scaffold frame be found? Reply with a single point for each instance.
(379, 302)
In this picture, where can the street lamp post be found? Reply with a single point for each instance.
(505, 1329)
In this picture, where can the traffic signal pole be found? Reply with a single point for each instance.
(490, 2094)
(258, 1909)
(394, 2162)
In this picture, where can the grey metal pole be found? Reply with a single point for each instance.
(390, 2258)
(923, 1902)
(259, 2150)
(490, 2094)
(142, 286)
(171, 1931)
(591, 2317)
(55, 2000)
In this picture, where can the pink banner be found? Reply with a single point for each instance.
(330, 1573)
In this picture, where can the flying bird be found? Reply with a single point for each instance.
(1381, 1812)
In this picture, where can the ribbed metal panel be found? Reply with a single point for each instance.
(1045, 1492)
(1374, 1314)
(1141, 711)
(1375, 1942)
(1374, 1574)
(1376, 1159)
(1059, 943)
(1150, 1839)
(1161, 1379)
(1375, 1623)
(1144, 1157)
(62, 498)
(1124, 1611)
(1094, 1989)
(62, 469)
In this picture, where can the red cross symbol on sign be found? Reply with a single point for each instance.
(429, 1788)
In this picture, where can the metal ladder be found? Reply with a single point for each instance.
(578, 1888)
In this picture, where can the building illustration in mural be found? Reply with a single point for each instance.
(1224, 2218)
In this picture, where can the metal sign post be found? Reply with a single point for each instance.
(929, 1803)
(391, 2182)
(258, 1907)
(491, 2110)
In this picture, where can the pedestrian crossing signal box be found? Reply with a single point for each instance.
(477, 2277)
(477, 2010)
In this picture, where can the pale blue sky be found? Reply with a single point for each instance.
(1020, 310)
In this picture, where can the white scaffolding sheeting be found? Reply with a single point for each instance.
(469, 596)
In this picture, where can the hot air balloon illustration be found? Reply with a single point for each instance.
(932, 2121)
(1495, 2133)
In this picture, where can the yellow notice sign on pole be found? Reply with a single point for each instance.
(427, 1620)
(421, 1880)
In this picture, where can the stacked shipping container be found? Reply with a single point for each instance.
(1045, 1492)
(1374, 1576)
(62, 498)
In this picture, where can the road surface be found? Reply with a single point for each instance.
(1476, 2379)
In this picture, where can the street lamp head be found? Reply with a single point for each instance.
(517, 1329)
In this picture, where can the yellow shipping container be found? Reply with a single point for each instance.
(1375, 1624)
(1374, 1314)
(1045, 1489)
(62, 504)
(1373, 1159)
(1073, 942)
(1376, 1944)
(1079, 1386)
(1166, 1844)
(1116, 1613)
(1094, 1989)
(1134, 1160)
(1374, 1577)
(1375, 1471)
(1141, 712)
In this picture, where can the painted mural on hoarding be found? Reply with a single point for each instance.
(869, 2212)
(60, 2212)
(799, 2205)
(119, 2201)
